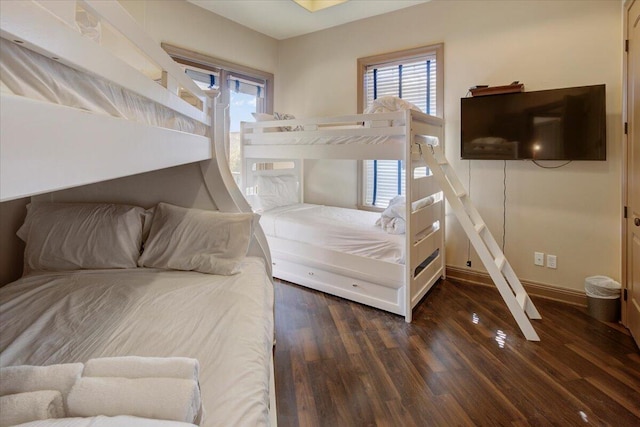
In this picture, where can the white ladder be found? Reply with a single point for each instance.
(487, 248)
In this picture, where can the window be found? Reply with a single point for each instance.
(414, 75)
(245, 90)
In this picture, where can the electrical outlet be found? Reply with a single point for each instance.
(552, 261)
(538, 258)
(469, 263)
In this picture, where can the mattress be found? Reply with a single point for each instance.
(345, 230)
(27, 73)
(226, 322)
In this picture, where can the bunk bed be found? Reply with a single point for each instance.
(337, 250)
(86, 119)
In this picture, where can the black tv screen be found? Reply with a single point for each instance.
(557, 124)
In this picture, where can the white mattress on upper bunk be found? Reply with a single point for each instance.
(345, 230)
(27, 73)
(226, 322)
(335, 135)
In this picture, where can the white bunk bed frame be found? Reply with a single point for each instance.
(47, 147)
(393, 287)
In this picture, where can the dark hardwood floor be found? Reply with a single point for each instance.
(462, 362)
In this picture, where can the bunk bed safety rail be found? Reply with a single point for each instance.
(103, 143)
(159, 78)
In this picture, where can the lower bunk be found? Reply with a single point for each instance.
(141, 306)
(344, 253)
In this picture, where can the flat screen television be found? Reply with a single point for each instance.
(557, 124)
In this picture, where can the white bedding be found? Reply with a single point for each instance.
(338, 139)
(345, 230)
(27, 73)
(226, 322)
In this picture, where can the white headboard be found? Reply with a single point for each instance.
(253, 168)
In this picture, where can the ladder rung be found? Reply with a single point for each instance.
(442, 161)
(479, 227)
(500, 262)
(460, 193)
(522, 300)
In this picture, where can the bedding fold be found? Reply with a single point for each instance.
(30, 406)
(393, 218)
(133, 367)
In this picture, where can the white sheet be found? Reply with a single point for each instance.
(26, 73)
(226, 322)
(345, 230)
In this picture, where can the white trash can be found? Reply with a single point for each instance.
(603, 298)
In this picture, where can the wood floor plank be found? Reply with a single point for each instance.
(462, 361)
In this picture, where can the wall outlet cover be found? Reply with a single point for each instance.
(538, 258)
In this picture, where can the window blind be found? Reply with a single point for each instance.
(204, 79)
(415, 82)
(249, 87)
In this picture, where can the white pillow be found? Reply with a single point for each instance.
(71, 236)
(195, 239)
(386, 104)
(277, 190)
(263, 117)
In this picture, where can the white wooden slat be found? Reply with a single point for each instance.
(424, 248)
(70, 147)
(318, 151)
(424, 187)
(424, 218)
(24, 20)
(424, 280)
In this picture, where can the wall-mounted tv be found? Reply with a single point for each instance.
(557, 124)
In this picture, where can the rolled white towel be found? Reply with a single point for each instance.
(31, 406)
(25, 378)
(143, 367)
(159, 398)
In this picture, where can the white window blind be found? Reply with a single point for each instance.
(249, 87)
(413, 80)
(204, 79)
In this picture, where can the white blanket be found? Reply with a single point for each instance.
(393, 218)
(224, 322)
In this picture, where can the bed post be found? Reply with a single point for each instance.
(408, 170)
(220, 183)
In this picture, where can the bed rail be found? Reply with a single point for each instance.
(48, 147)
(37, 28)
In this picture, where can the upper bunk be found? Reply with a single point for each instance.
(88, 96)
(386, 135)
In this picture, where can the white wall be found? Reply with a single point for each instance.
(184, 25)
(573, 212)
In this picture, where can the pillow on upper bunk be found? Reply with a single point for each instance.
(71, 236)
(387, 104)
(263, 117)
(196, 239)
(277, 190)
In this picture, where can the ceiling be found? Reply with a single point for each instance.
(282, 19)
